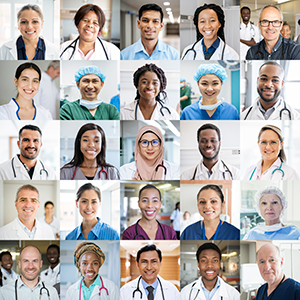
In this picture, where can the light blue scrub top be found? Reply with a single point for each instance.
(284, 233)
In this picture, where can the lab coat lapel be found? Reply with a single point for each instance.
(20, 169)
(18, 230)
(12, 48)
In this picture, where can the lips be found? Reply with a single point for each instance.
(89, 213)
(89, 32)
(90, 274)
(91, 152)
(210, 273)
(29, 32)
(150, 212)
(28, 210)
(208, 213)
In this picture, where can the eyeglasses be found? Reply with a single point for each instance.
(266, 23)
(145, 143)
(264, 143)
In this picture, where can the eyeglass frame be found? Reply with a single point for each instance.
(269, 143)
(270, 22)
(150, 142)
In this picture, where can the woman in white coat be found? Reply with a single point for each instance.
(88, 258)
(30, 45)
(149, 163)
(89, 20)
(209, 20)
(272, 165)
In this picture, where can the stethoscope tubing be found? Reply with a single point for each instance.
(102, 170)
(141, 294)
(277, 169)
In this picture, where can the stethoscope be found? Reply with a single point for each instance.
(41, 290)
(198, 291)
(258, 52)
(73, 46)
(139, 235)
(223, 173)
(141, 294)
(102, 170)
(161, 108)
(159, 166)
(101, 288)
(216, 233)
(41, 171)
(277, 169)
(251, 29)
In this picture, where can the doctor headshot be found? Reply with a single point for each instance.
(7, 275)
(270, 105)
(211, 167)
(149, 47)
(29, 285)
(210, 285)
(149, 285)
(25, 226)
(277, 286)
(26, 165)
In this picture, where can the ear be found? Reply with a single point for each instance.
(281, 262)
(41, 263)
(102, 84)
(15, 81)
(257, 80)
(281, 146)
(137, 264)
(42, 24)
(16, 204)
(19, 264)
(18, 143)
(139, 24)
(282, 83)
(223, 205)
(76, 203)
(41, 144)
(77, 83)
(162, 24)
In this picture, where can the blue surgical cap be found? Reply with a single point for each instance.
(210, 69)
(182, 79)
(89, 70)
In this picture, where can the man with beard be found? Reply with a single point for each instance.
(270, 105)
(25, 226)
(209, 285)
(210, 167)
(29, 285)
(26, 165)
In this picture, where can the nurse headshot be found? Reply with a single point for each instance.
(88, 258)
(209, 20)
(210, 78)
(88, 201)
(27, 81)
(30, 45)
(270, 205)
(148, 227)
(89, 20)
(148, 161)
(211, 202)
(89, 161)
(272, 165)
(149, 104)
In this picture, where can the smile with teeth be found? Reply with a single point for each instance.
(90, 274)
(28, 91)
(91, 152)
(28, 210)
(208, 32)
(209, 212)
(209, 273)
(88, 212)
(30, 32)
(150, 212)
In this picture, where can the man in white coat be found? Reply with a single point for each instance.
(209, 285)
(26, 165)
(270, 105)
(149, 285)
(7, 273)
(25, 226)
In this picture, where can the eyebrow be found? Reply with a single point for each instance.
(264, 75)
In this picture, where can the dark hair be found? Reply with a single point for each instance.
(151, 6)
(33, 247)
(208, 246)
(4, 253)
(160, 74)
(83, 10)
(213, 187)
(29, 127)
(286, 23)
(54, 246)
(34, 7)
(176, 205)
(208, 126)
(27, 65)
(245, 7)
(221, 17)
(87, 187)
(149, 186)
(48, 202)
(272, 63)
(146, 249)
(26, 187)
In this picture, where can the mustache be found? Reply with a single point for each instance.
(31, 148)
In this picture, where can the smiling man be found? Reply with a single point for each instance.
(211, 167)
(7, 273)
(149, 47)
(26, 165)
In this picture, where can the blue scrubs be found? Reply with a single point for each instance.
(224, 111)
(115, 100)
(284, 233)
(227, 232)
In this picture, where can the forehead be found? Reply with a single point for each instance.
(269, 134)
(30, 72)
(89, 194)
(209, 194)
(90, 15)
(49, 205)
(90, 77)
(267, 251)
(210, 78)
(29, 14)
(149, 75)
(89, 256)
(151, 14)
(207, 13)
(269, 196)
(30, 253)
(6, 256)
(91, 133)
(27, 133)
(149, 255)
(25, 193)
(270, 71)
(209, 253)
(208, 133)
(270, 13)
(246, 11)
(150, 191)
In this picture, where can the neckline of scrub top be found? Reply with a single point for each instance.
(17, 112)
(215, 234)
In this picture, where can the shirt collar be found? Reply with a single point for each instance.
(140, 47)
(277, 103)
(277, 45)
(145, 284)
(95, 230)
(96, 282)
(20, 283)
(25, 228)
(212, 48)
(275, 165)
(217, 285)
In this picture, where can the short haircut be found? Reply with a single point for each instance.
(87, 187)
(245, 7)
(29, 127)
(55, 64)
(277, 248)
(4, 253)
(146, 249)
(33, 247)
(26, 187)
(208, 246)
(54, 246)
(268, 6)
(151, 6)
(272, 63)
(286, 24)
(213, 187)
(149, 186)
(48, 202)
(208, 126)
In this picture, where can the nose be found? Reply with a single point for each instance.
(270, 25)
(269, 83)
(90, 143)
(149, 146)
(209, 88)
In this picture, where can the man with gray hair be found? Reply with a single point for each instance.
(273, 46)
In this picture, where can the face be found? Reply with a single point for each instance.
(269, 83)
(210, 86)
(208, 24)
(285, 31)
(30, 24)
(270, 208)
(88, 27)
(269, 145)
(53, 256)
(149, 86)
(89, 266)
(209, 265)
(149, 266)
(150, 25)
(149, 203)
(88, 204)
(245, 14)
(49, 209)
(7, 262)
(90, 144)
(27, 84)
(90, 86)
(150, 152)
(27, 205)
(210, 205)
(30, 144)
(53, 73)
(209, 144)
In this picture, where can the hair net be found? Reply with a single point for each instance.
(182, 79)
(89, 70)
(270, 190)
(210, 69)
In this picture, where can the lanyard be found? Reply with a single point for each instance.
(274, 290)
(216, 233)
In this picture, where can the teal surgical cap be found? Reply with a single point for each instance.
(214, 69)
(89, 70)
(182, 79)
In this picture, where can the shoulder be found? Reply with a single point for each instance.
(191, 232)
(168, 285)
(43, 112)
(126, 171)
(128, 52)
(52, 50)
(129, 232)
(71, 104)
(66, 172)
(66, 44)
(172, 52)
(73, 234)
(174, 170)
(231, 231)
(114, 51)
(186, 53)
(245, 112)
(113, 172)
(230, 53)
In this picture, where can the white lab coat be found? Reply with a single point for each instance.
(247, 33)
(7, 173)
(229, 53)
(225, 290)
(256, 114)
(170, 291)
(113, 52)
(14, 231)
(8, 50)
(113, 291)
(173, 171)
(50, 276)
(218, 171)
(7, 279)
